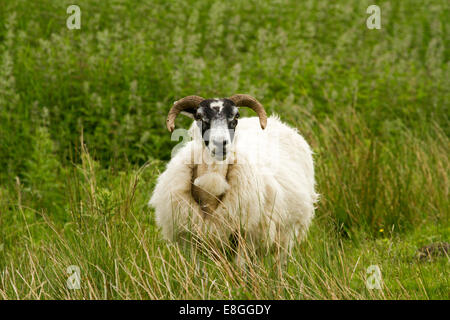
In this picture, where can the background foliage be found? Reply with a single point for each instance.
(82, 111)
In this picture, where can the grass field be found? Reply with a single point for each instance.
(82, 141)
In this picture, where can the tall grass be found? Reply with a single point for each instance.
(109, 233)
(82, 141)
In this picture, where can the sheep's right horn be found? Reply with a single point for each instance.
(180, 105)
(246, 100)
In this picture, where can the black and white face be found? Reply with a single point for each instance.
(217, 120)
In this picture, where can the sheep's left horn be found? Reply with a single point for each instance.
(180, 105)
(246, 100)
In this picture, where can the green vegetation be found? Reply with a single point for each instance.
(82, 141)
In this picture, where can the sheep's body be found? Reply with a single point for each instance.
(264, 188)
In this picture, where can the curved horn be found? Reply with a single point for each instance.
(180, 105)
(246, 100)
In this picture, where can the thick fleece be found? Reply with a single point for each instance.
(266, 187)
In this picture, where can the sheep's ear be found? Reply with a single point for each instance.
(189, 112)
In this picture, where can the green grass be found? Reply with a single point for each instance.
(82, 141)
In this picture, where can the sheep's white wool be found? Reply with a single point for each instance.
(268, 192)
(213, 182)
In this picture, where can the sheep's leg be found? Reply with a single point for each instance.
(245, 248)
(236, 246)
(240, 260)
(283, 248)
(284, 254)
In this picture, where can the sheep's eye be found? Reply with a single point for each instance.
(233, 124)
(237, 116)
(198, 116)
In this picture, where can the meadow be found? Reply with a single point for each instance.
(83, 139)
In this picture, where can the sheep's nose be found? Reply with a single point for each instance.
(220, 143)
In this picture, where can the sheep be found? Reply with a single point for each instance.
(251, 176)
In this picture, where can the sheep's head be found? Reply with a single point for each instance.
(216, 118)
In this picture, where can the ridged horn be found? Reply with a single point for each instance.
(180, 105)
(245, 100)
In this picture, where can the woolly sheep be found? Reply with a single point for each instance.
(255, 176)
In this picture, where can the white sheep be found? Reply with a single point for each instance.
(235, 178)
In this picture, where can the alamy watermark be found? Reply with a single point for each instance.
(73, 282)
(374, 280)
(74, 20)
(374, 20)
